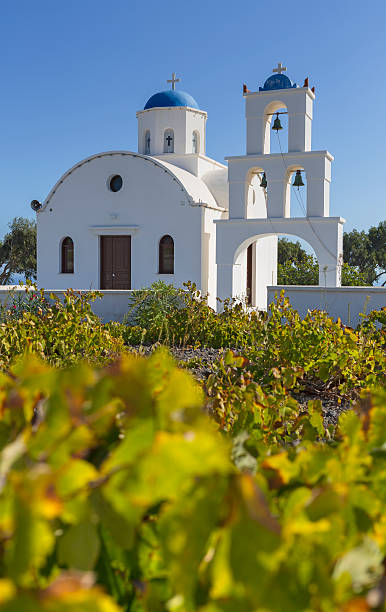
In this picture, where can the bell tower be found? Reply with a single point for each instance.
(262, 117)
(260, 106)
(271, 177)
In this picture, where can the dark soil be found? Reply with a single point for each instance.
(201, 362)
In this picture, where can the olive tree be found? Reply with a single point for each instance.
(18, 250)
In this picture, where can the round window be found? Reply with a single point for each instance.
(116, 182)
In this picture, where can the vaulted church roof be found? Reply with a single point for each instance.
(198, 190)
(195, 189)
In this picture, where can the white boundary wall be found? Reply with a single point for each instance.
(343, 302)
(112, 307)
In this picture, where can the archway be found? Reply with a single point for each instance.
(325, 237)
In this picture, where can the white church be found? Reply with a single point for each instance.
(120, 220)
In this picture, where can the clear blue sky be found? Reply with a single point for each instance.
(74, 72)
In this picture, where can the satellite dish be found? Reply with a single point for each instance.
(35, 205)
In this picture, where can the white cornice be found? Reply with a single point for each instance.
(168, 108)
(113, 230)
(290, 154)
(279, 92)
(282, 220)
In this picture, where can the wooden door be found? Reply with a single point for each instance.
(115, 262)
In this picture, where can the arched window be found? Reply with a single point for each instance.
(147, 142)
(67, 266)
(166, 255)
(196, 142)
(169, 141)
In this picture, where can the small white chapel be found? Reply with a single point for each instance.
(121, 220)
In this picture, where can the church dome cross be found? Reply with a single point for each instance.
(173, 80)
(280, 68)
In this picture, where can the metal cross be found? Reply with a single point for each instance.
(173, 80)
(279, 68)
(169, 140)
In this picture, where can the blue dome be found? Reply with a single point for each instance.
(277, 81)
(170, 97)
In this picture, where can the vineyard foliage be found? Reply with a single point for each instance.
(60, 332)
(127, 486)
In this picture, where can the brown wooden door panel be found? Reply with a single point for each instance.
(115, 262)
(106, 262)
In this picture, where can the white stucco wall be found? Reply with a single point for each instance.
(152, 202)
(344, 302)
(113, 305)
(208, 250)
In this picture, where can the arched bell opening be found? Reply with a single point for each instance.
(256, 194)
(275, 129)
(295, 196)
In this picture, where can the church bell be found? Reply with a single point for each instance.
(276, 124)
(263, 181)
(298, 181)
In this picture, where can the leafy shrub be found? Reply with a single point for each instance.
(256, 392)
(150, 308)
(374, 324)
(318, 347)
(197, 324)
(182, 317)
(132, 335)
(30, 301)
(120, 473)
(61, 332)
(270, 417)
